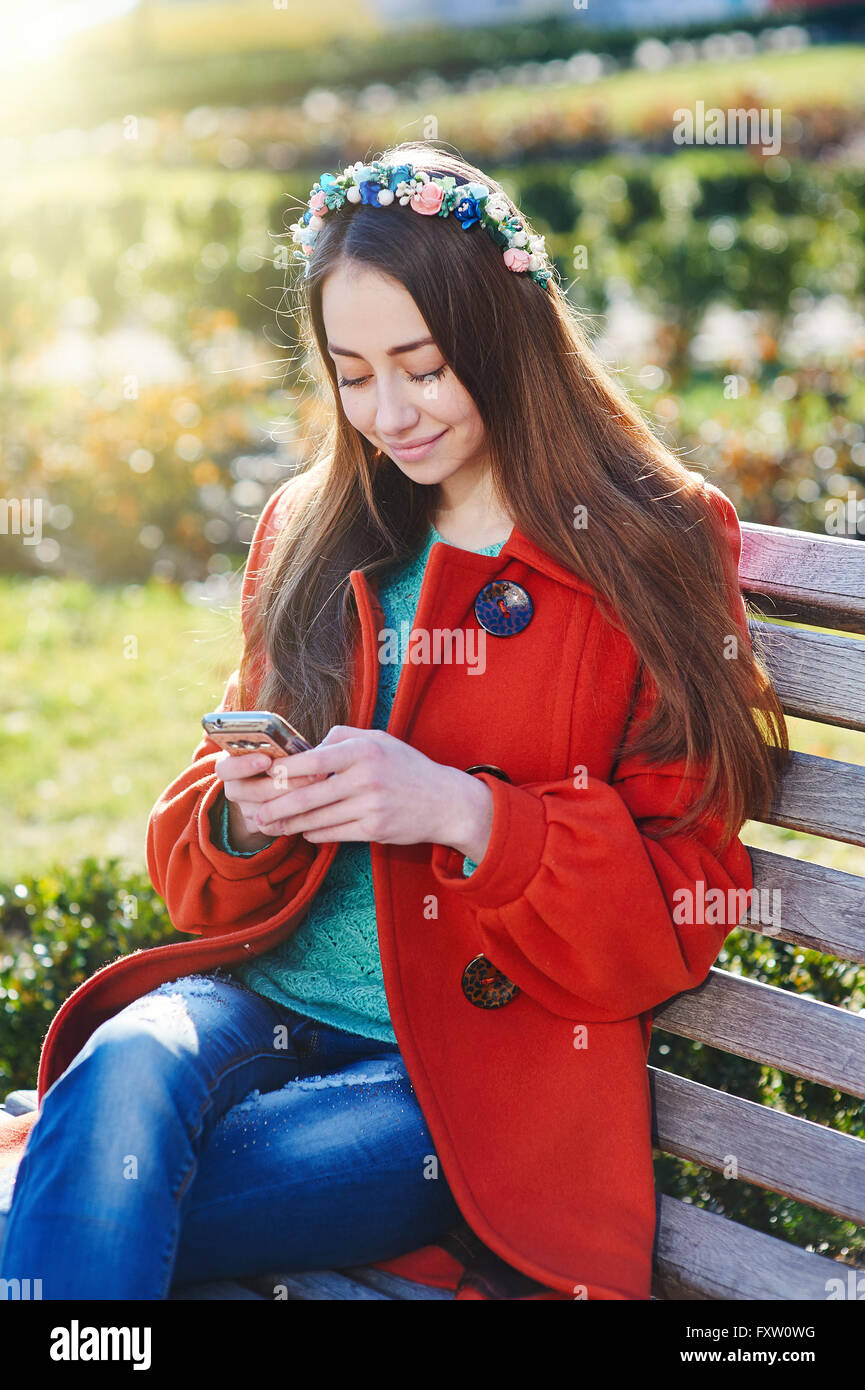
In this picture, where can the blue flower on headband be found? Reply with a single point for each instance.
(369, 191)
(467, 212)
(399, 173)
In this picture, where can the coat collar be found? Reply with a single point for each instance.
(520, 547)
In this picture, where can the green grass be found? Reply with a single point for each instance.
(265, 65)
(90, 736)
(90, 732)
(630, 97)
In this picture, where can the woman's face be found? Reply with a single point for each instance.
(400, 397)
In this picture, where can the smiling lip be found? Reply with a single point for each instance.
(416, 449)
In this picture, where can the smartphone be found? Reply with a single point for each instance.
(251, 731)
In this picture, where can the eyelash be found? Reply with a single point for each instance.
(424, 376)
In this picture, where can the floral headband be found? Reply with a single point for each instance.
(378, 185)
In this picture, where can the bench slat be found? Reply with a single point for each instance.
(821, 796)
(819, 1042)
(395, 1286)
(701, 1255)
(217, 1290)
(804, 577)
(316, 1285)
(818, 675)
(783, 1153)
(820, 908)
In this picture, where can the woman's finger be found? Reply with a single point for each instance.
(266, 818)
(231, 767)
(260, 789)
(317, 792)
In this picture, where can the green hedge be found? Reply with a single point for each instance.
(55, 931)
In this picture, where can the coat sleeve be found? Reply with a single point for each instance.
(206, 889)
(576, 902)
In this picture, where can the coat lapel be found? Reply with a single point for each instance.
(452, 580)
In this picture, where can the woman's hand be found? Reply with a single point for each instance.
(248, 785)
(372, 786)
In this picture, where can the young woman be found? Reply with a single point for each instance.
(419, 1002)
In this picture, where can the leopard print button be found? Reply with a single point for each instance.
(485, 986)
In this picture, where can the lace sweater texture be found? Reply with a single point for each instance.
(330, 968)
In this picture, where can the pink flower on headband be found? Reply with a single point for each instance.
(515, 259)
(318, 204)
(428, 199)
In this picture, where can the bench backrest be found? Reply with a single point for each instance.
(796, 577)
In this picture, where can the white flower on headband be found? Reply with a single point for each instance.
(498, 208)
(381, 185)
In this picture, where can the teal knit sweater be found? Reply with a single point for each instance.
(330, 968)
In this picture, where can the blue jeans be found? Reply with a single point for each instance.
(205, 1132)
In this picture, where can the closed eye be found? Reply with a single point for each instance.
(422, 376)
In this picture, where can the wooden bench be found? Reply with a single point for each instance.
(808, 579)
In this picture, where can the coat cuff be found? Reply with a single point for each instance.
(226, 863)
(513, 855)
(221, 824)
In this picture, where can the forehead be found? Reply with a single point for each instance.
(368, 312)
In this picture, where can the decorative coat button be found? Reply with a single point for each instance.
(503, 608)
(485, 986)
(488, 767)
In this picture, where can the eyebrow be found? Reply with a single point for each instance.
(391, 352)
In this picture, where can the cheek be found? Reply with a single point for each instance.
(357, 411)
(455, 407)
(469, 424)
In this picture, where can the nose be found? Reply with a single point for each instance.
(395, 414)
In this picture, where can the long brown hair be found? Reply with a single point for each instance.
(561, 433)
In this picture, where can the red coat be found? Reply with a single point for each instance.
(539, 1109)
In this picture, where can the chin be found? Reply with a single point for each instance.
(425, 470)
